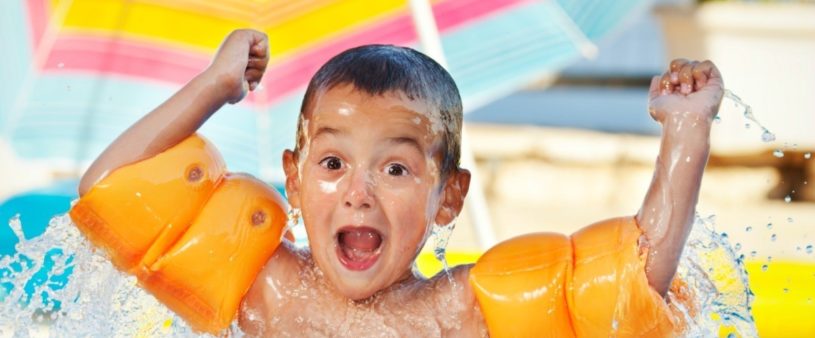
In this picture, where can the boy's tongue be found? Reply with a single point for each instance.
(359, 243)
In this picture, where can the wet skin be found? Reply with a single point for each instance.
(368, 167)
(367, 181)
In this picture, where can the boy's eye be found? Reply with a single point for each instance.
(396, 169)
(331, 163)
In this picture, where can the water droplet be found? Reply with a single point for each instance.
(773, 237)
(764, 267)
(441, 236)
(732, 335)
(788, 198)
(724, 235)
(807, 155)
(753, 253)
(786, 290)
(717, 119)
(746, 126)
(738, 246)
(748, 228)
(769, 225)
(778, 153)
(809, 249)
(790, 220)
(767, 136)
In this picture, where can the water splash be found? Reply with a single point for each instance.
(441, 236)
(716, 275)
(292, 221)
(766, 135)
(96, 301)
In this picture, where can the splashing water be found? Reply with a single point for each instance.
(441, 236)
(716, 276)
(292, 221)
(97, 300)
(766, 135)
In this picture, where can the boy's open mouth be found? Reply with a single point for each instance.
(358, 248)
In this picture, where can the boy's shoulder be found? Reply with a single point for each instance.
(273, 293)
(455, 302)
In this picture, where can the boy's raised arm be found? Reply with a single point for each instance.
(236, 68)
(684, 100)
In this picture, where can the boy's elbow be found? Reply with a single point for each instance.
(85, 184)
(89, 179)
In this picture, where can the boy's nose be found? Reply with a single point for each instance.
(360, 190)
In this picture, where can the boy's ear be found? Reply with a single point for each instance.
(452, 199)
(292, 178)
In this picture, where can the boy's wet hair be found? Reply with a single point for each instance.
(382, 69)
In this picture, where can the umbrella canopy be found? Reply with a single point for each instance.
(79, 72)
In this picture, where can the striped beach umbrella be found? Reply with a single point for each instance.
(77, 73)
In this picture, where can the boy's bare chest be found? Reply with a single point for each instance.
(337, 320)
(429, 309)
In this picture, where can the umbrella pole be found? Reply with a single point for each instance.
(476, 203)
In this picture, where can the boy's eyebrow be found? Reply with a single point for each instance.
(326, 130)
(406, 140)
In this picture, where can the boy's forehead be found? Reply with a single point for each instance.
(345, 105)
(346, 99)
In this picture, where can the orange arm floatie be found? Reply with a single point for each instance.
(194, 235)
(592, 284)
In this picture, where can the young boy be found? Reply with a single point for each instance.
(375, 166)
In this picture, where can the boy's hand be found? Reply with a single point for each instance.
(688, 89)
(239, 63)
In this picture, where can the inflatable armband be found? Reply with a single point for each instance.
(194, 235)
(590, 285)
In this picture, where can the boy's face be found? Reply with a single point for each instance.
(367, 181)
